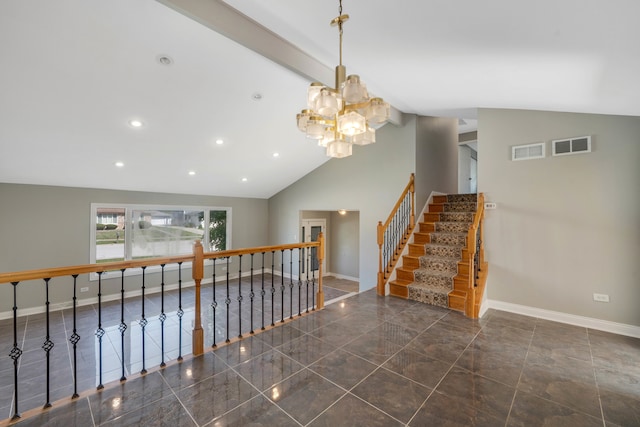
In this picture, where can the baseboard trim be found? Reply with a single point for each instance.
(342, 276)
(571, 319)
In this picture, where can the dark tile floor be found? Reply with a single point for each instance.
(372, 361)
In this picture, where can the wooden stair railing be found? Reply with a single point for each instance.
(475, 247)
(469, 283)
(197, 260)
(393, 235)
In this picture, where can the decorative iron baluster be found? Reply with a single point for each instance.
(307, 257)
(180, 311)
(74, 339)
(251, 294)
(262, 291)
(214, 304)
(227, 301)
(15, 353)
(282, 286)
(143, 323)
(100, 332)
(47, 346)
(290, 283)
(240, 296)
(123, 326)
(162, 318)
(476, 257)
(313, 288)
(273, 289)
(299, 281)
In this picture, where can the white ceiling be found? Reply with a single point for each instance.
(74, 72)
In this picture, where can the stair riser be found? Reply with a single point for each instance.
(456, 302)
(459, 207)
(404, 274)
(452, 227)
(416, 249)
(421, 238)
(438, 264)
(424, 227)
(448, 239)
(444, 251)
(398, 291)
(410, 262)
(436, 207)
(440, 199)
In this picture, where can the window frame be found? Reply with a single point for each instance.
(129, 208)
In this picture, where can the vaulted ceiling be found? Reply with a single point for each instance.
(74, 73)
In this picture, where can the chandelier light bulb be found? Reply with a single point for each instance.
(353, 90)
(365, 138)
(342, 116)
(312, 94)
(351, 123)
(339, 149)
(377, 111)
(327, 103)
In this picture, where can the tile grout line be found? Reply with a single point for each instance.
(595, 377)
(526, 356)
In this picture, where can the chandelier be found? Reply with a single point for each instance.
(342, 116)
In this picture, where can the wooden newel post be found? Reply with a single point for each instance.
(320, 295)
(197, 269)
(380, 287)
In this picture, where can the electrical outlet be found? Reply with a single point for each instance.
(601, 297)
(85, 289)
(490, 205)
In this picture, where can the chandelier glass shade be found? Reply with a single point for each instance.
(342, 116)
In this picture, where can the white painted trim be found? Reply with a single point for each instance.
(342, 276)
(571, 319)
(341, 297)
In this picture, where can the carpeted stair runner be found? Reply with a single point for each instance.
(433, 280)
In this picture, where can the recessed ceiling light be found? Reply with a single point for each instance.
(119, 164)
(164, 59)
(219, 141)
(135, 123)
(244, 180)
(276, 154)
(342, 211)
(192, 173)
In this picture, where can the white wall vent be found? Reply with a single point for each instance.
(563, 147)
(528, 152)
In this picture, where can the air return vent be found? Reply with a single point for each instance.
(563, 147)
(527, 152)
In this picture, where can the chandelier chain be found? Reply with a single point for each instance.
(340, 29)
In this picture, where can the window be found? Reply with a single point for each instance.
(131, 232)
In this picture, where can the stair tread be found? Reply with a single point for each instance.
(449, 274)
(431, 288)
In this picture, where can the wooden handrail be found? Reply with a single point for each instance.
(21, 276)
(382, 227)
(409, 188)
(197, 272)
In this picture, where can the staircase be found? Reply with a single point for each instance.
(437, 269)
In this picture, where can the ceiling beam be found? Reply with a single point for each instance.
(225, 20)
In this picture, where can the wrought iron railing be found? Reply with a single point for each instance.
(256, 277)
(394, 233)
